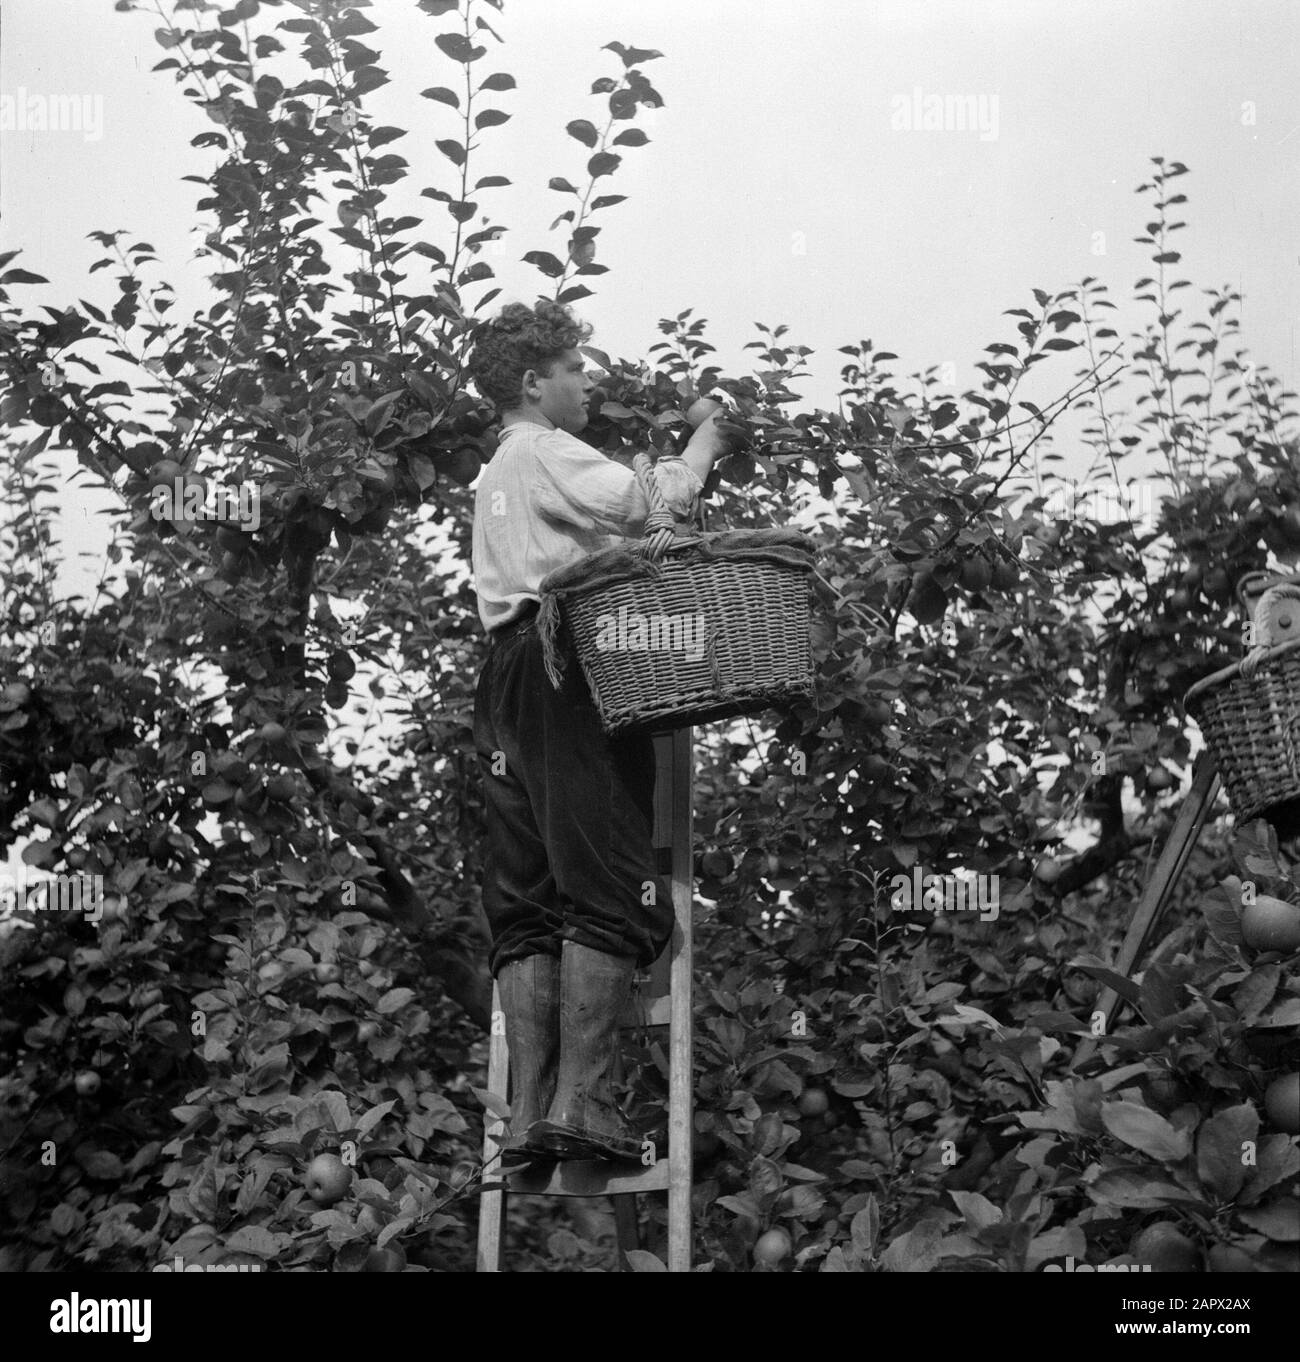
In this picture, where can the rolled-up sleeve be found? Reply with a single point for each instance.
(579, 486)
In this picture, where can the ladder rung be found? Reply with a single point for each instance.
(585, 1177)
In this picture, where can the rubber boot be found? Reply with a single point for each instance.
(584, 1121)
(530, 999)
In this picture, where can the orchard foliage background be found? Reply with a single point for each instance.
(292, 958)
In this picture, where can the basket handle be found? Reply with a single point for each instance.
(653, 545)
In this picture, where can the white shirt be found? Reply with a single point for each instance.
(547, 499)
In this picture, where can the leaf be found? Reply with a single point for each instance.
(1256, 991)
(1286, 1013)
(572, 295)
(335, 1106)
(1278, 1160)
(261, 1243)
(451, 149)
(22, 277)
(393, 1229)
(853, 1087)
(607, 201)
(546, 262)
(1065, 1241)
(422, 470)
(373, 1117)
(394, 999)
(442, 95)
(65, 1220)
(101, 1164)
(742, 1205)
(204, 1191)
(639, 1260)
(1126, 988)
(633, 56)
(979, 1211)
(633, 137)
(491, 118)
(1158, 995)
(584, 131)
(1219, 1149)
(943, 416)
(500, 81)
(603, 163)
(497, 1106)
(865, 1228)
(964, 1015)
(558, 182)
(377, 414)
(915, 1251)
(1279, 1220)
(1222, 915)
(1146, 1130)
(459, 48)
(1137, 1189)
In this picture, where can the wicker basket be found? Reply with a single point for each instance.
(1252, 729)
(714, 627)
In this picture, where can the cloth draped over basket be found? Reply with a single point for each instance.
(1251, 727)
(716, 626)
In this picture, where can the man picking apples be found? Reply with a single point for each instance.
(569, 809)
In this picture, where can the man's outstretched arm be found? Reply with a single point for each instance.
(708, 443)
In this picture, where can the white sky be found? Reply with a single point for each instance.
(775, 187)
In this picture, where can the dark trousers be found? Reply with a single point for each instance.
(570, 814)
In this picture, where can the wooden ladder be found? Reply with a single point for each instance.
(664, 1001)
(1155, 896)
(1177, 850)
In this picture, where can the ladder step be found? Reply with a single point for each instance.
(584, 1177)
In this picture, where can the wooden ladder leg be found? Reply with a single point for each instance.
(492, 1203)
(680, 1089)
(627, 1231)
(1169, 866)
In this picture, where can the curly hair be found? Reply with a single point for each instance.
(517, 339)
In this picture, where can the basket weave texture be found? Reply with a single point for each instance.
(715, 629)
(1252, 729)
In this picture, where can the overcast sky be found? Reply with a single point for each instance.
(781, 183)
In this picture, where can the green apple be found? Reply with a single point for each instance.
(328, 1179)
(87, 1083)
